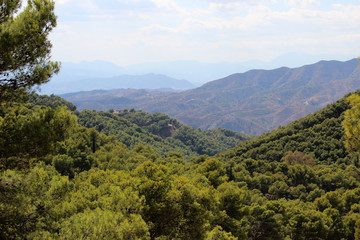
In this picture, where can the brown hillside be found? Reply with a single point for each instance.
(252, 102)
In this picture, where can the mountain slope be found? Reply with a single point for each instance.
(255, 101)
(320, 134)
(61, 180)
(162, 133)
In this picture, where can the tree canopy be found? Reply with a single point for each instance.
(99, 175)
(24, 45)
(352, 125)
(61, 180)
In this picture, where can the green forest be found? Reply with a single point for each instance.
(66, 174)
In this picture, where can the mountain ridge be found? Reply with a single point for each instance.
(193, 71)
(146, 81)
(255, 101)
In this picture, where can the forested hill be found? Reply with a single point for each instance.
(320, 134)
(61, 180)
(253, 102)
(157, 130)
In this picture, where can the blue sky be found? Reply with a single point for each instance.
(134, 31)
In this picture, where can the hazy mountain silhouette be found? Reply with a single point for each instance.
(148, 81)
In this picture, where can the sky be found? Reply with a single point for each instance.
(128, 32)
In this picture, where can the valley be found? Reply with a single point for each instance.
(253, 102)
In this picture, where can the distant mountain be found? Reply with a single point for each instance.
(252, 102)
(148, 81)
(203, 72)
(195, 72)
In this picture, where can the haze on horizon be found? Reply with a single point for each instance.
(127, 32)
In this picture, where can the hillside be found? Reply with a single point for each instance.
(162, 133)
(59, 179)
(253, 102)
(320, 134)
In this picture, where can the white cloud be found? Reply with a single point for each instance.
(261, 19)
(226, 7)
(303, 3)
(171, 6)
(256, 16)
(157, 28)
(62, 1)
(339, 18)
(154, 30)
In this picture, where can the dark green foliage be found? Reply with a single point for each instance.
(209, 142)
(50, 101)
(29, 131)
(24, 46)
(83, 184)
(158, 123)
(129, 133)
(320, 134)
(158, 130)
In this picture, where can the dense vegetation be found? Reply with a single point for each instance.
(61, 180)
(103, 175)
(163, 134)
(24, 45)
(319, 134)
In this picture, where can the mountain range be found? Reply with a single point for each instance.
(147, 81)
(252, 102)
(85, 76)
